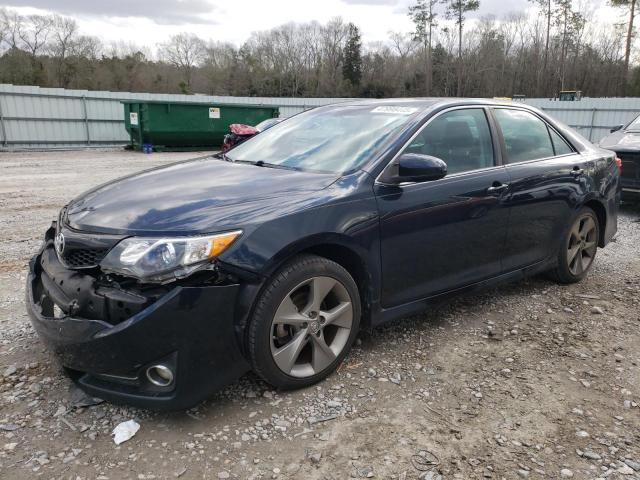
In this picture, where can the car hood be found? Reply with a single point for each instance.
(622, 141)
(197, 196)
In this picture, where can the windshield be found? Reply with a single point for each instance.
(334, 140)
(634, 125)
(266, 124)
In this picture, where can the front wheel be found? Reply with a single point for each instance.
(579, 247)
(304, 323)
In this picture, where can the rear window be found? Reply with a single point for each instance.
(559, 144)
(525, 135)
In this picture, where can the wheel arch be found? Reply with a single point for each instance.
(601, 213)
(356, 267)
(340, 249)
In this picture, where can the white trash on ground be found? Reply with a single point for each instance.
(124, 431)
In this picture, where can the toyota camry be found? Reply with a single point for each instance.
(159, 288)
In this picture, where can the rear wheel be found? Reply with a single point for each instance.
(304, 322)
(579, 248)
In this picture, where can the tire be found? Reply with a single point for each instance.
(579, 246)
(310, 304)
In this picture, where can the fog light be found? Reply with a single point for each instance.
(160, 375)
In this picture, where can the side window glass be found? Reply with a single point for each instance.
(525, 135)
(560, 144)
(461, 138)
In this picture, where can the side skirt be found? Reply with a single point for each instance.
(382, 315)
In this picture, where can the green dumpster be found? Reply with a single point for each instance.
(187, 125)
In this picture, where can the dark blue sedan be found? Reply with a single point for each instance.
(159, 288)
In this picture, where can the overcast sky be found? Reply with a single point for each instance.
(148, 22)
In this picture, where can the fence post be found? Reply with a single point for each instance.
(2, 126)
(86, 119)
(593, 122)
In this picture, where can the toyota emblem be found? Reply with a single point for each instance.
(59, 243)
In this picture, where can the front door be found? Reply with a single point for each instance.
(447, 233)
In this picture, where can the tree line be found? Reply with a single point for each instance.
(556, 46)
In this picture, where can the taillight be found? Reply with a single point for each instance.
(619, 164)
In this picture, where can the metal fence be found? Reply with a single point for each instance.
(46, 118)
(592, 117)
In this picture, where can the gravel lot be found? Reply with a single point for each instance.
(531, 380)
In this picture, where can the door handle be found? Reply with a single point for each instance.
(576, 172)
(497, 188)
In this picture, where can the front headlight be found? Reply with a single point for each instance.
(163, 259)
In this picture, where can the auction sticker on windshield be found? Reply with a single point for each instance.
(395, 110)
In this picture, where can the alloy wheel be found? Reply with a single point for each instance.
(582, 245)
(311, 326)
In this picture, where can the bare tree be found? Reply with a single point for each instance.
(287, 41)
(497, 55)
(87, 47)
(334, 36)
(184, 51)
(122, 49)
(63, 35)
(546, 7)
(65, 31)
(311, 52)
(631, 6)
(34, 33)
(4, 26)
(403, 43)
(218, 66)
(11, 25)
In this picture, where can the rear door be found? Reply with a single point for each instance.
(446, 233)
(546, 177)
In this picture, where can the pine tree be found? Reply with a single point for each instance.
(352, 57)
(424, 18)
(569, 23)
(456, 10)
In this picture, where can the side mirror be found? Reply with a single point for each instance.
(617, 128)
(414, 167)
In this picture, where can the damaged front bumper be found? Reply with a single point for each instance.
(186, 329)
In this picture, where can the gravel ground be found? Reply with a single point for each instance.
(530, 380)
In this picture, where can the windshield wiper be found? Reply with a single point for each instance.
(261, 163)
(258, 163)
(226, 158)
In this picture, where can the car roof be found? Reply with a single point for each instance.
(428, 102)
(427, 106)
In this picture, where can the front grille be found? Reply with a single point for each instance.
(84, 257)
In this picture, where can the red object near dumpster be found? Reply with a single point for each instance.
(240, 132)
